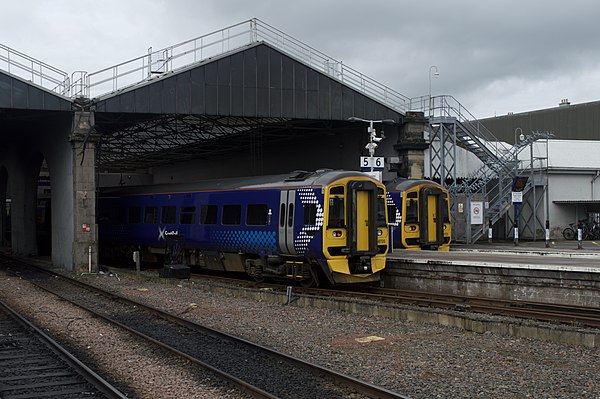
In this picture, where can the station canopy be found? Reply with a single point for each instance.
(269, 88)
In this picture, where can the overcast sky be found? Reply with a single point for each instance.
(494, 57)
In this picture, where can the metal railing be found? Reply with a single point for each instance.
(34, 71)
(161, 62)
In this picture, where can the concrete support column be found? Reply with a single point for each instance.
(85, 237)
(411, 146)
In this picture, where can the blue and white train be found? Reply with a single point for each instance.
(312, 227)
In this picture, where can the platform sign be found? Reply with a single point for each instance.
(517, 197)
(375, 175)
(377, 163)
(476, 212)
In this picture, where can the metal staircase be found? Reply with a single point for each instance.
(452, 127)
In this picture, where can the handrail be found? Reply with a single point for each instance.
(35, 71)
(158, 63)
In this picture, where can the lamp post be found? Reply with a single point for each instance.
(373, 139)
(435, 74)
(515, 203)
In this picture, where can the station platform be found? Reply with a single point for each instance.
(556, 247)
(560, 273)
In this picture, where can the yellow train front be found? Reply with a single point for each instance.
(419, 215)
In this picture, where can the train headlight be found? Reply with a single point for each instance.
(412, 228)
(379, 232)
(337, 233)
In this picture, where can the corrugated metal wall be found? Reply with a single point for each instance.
(569, 122)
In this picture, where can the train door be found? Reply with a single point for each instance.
(287, 213)
(432, 215)
(362, 216)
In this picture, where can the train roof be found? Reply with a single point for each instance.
(317, 178)
(402, 184)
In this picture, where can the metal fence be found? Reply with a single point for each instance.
(34, 71)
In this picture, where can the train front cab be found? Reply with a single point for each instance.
(424, 217)
(355, 233)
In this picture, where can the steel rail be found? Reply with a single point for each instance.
(84, 371)
(363, 387)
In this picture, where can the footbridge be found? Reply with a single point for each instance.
(247, 99)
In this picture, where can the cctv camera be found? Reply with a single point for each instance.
(377, 139)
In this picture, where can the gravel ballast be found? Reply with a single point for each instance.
(415, 359)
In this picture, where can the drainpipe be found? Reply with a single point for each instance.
(593, 181)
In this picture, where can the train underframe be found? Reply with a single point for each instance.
(301, 270)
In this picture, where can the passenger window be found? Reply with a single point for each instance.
(445, 213)
(381, 208)
(133, 215)
(167, 215)
(310, 214)
(232, 214)
(282, 216)
(291, 215)
(391, 213)
(120, 216)
(187, 215)
(256, 215)
(208, 214)
(151, 215)
(412, 211)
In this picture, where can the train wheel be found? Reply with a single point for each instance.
(311, 280)
(254, 268)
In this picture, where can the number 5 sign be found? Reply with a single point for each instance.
(367, 163)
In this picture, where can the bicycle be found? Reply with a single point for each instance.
(570, 233)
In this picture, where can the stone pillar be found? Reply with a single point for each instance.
(84, 140)
(411, 146)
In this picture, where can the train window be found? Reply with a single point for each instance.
(381, 220)
(282, 215)
(232, 214)
(151, 215)
(445, 213)
(391, 213)
(208, 214)
(291, 215)
(379, 191)
(339, 190)
(167, 215)
(310, 214)
(412, 211)
(256, 215)
(187, 215)
(336, 213)
(133, 215)
(121, 219)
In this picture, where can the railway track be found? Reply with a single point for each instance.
(255, 370)
(547, 312)
(33, 365)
